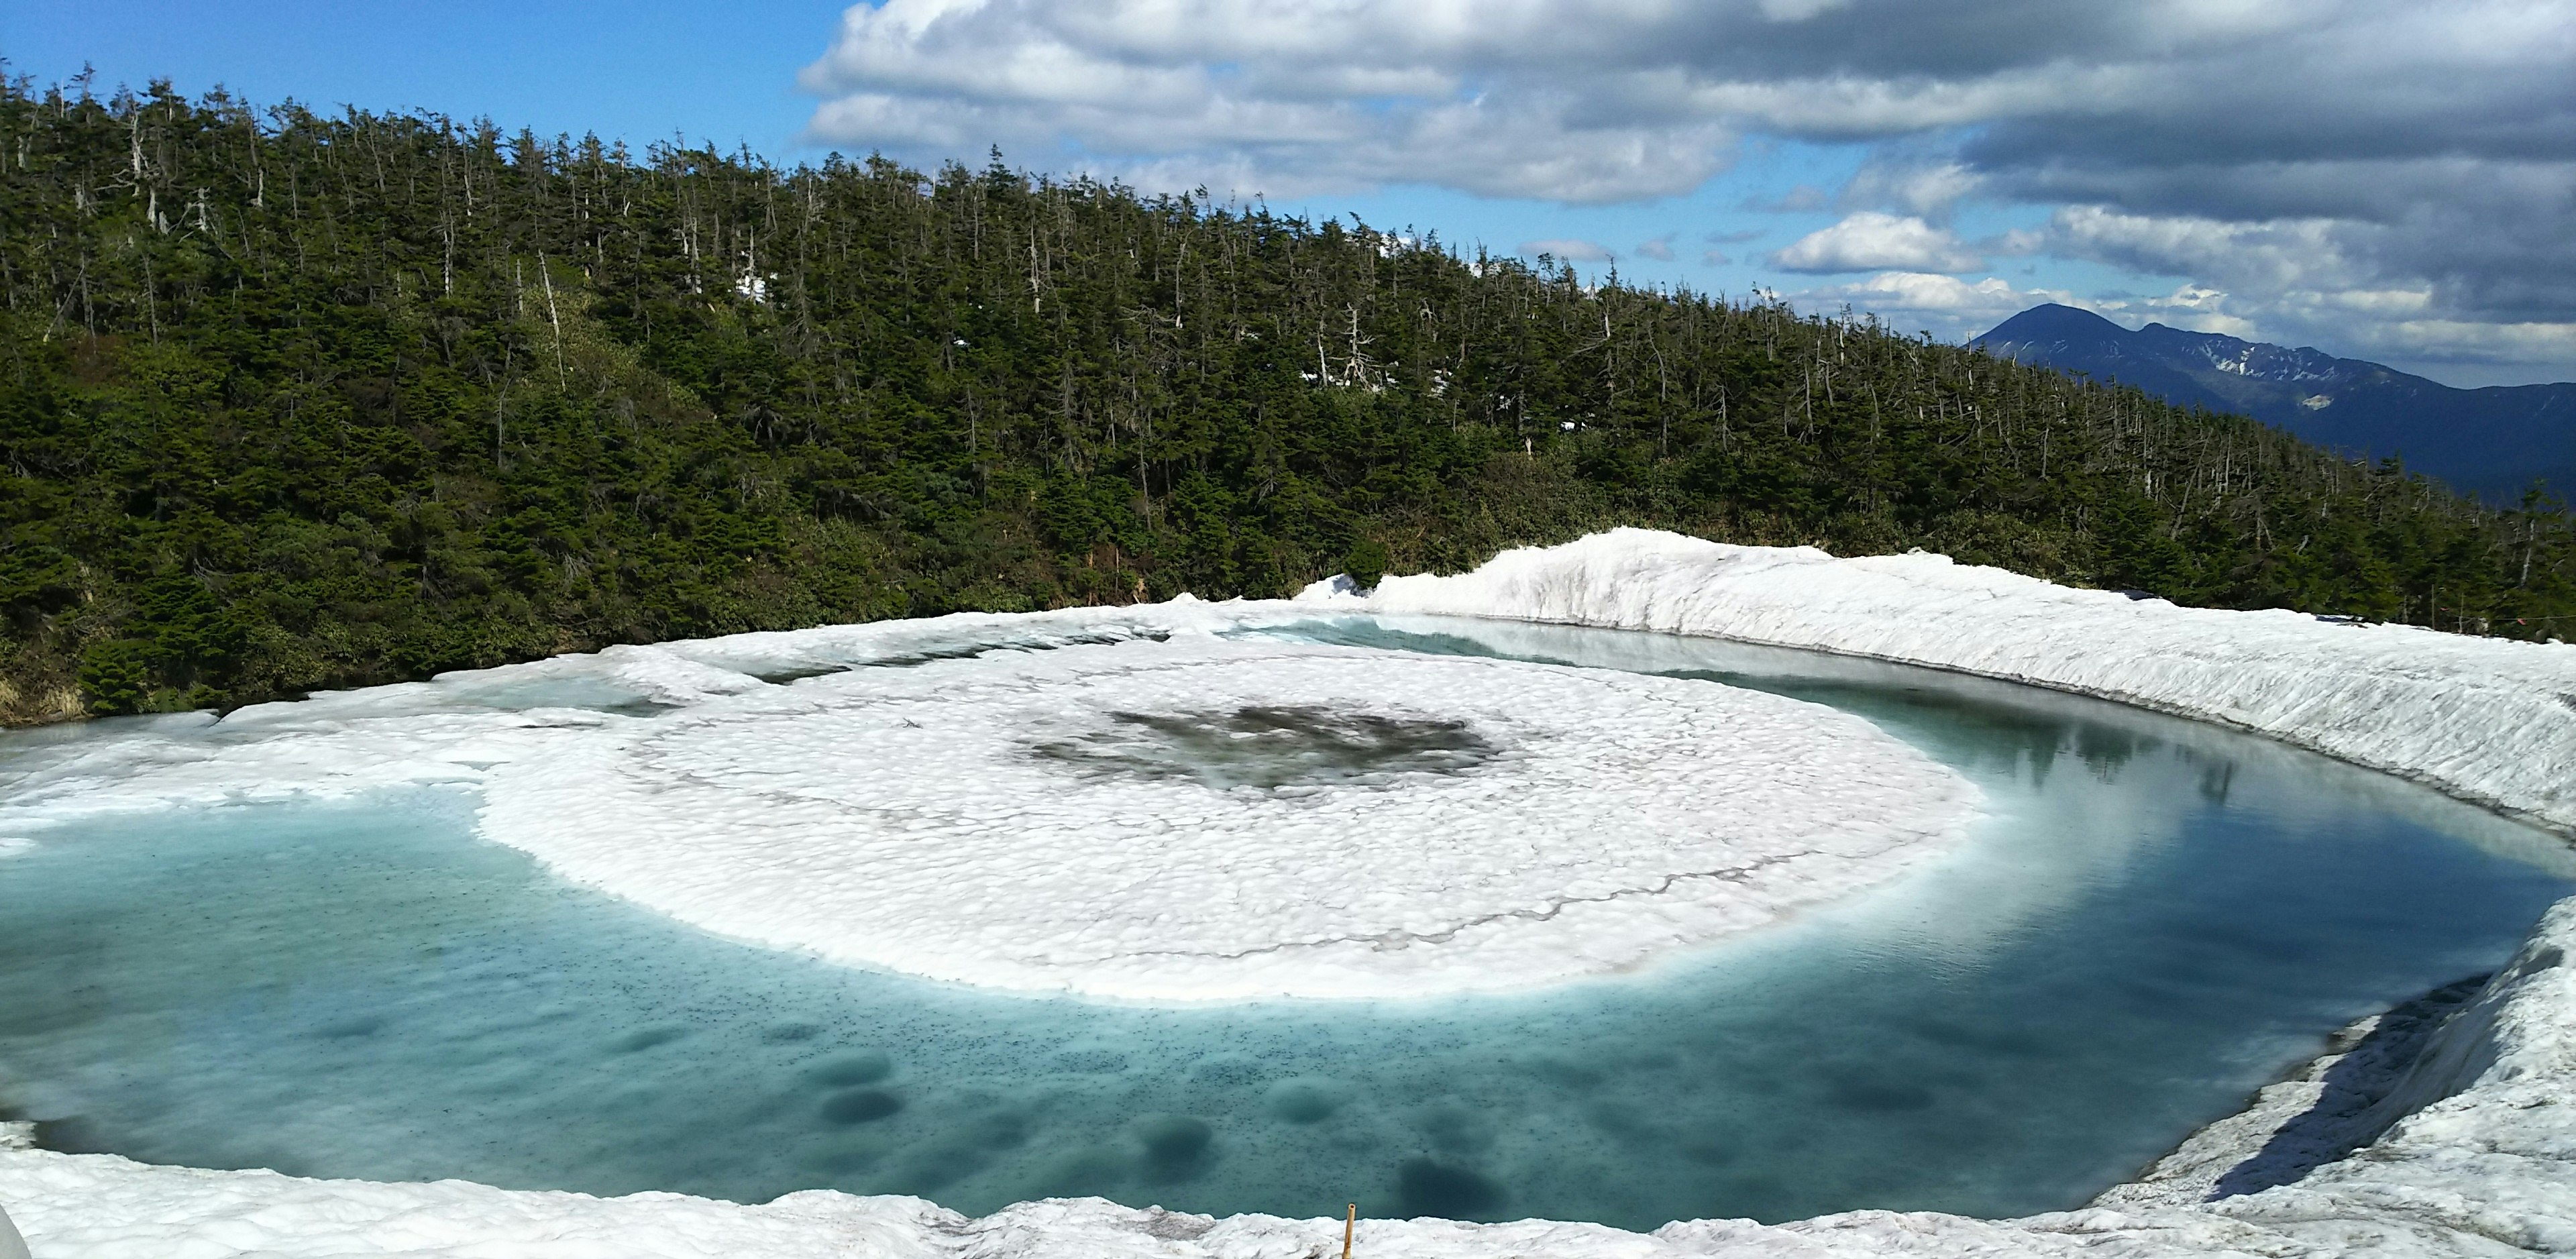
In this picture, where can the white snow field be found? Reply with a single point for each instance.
(2481, 1159)
(1209, 820)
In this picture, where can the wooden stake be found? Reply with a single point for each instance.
(1349, 1221)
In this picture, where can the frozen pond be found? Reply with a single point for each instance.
(2157, 917)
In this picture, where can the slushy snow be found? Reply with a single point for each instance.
(2479, 1155)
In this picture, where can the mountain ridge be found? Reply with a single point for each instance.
(2492, 442)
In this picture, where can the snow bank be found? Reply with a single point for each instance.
(2488, 720)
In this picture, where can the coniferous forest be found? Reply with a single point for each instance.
(296, 401)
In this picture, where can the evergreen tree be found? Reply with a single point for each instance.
(295, 401)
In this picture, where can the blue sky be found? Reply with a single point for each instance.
(1835, 151)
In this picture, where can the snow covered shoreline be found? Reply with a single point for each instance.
(2481, 1158)
(2489, 720)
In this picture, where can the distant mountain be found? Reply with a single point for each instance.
(2491, 442)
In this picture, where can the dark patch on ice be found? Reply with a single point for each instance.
(790, 1033)
(1427, 1187)
(636, 708)
(781, 677)
(865, 1066)
(1269, 746)
(350, 1029)
(858, 1106)
(1176, 1146)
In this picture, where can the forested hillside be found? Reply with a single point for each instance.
(296, 401)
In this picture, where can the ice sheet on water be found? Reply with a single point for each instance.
(1145, 811)
(1202, 819)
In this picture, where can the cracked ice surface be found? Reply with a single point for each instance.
(1201, 819)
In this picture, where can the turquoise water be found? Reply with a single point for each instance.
(2159, 917)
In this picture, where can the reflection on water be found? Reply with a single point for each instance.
(2157, 917)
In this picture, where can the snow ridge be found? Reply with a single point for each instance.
(2488, 720)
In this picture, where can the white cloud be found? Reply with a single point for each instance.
(2272, 256)
(2295, 154)
(1926, 189)
(1715, 258)
(1282, 98)
(1871, 240)
(1567, 250)
(1950, 308)
(1660, 248)
(1918, 291)
(2454, 343)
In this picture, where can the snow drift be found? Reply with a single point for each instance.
(2489, 720)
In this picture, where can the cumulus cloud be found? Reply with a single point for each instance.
(2285, 151)
(1255, 96)
(1945, 305)
(1660, 248)
(1927, 189)
(1871, 241)
(1715, 258)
